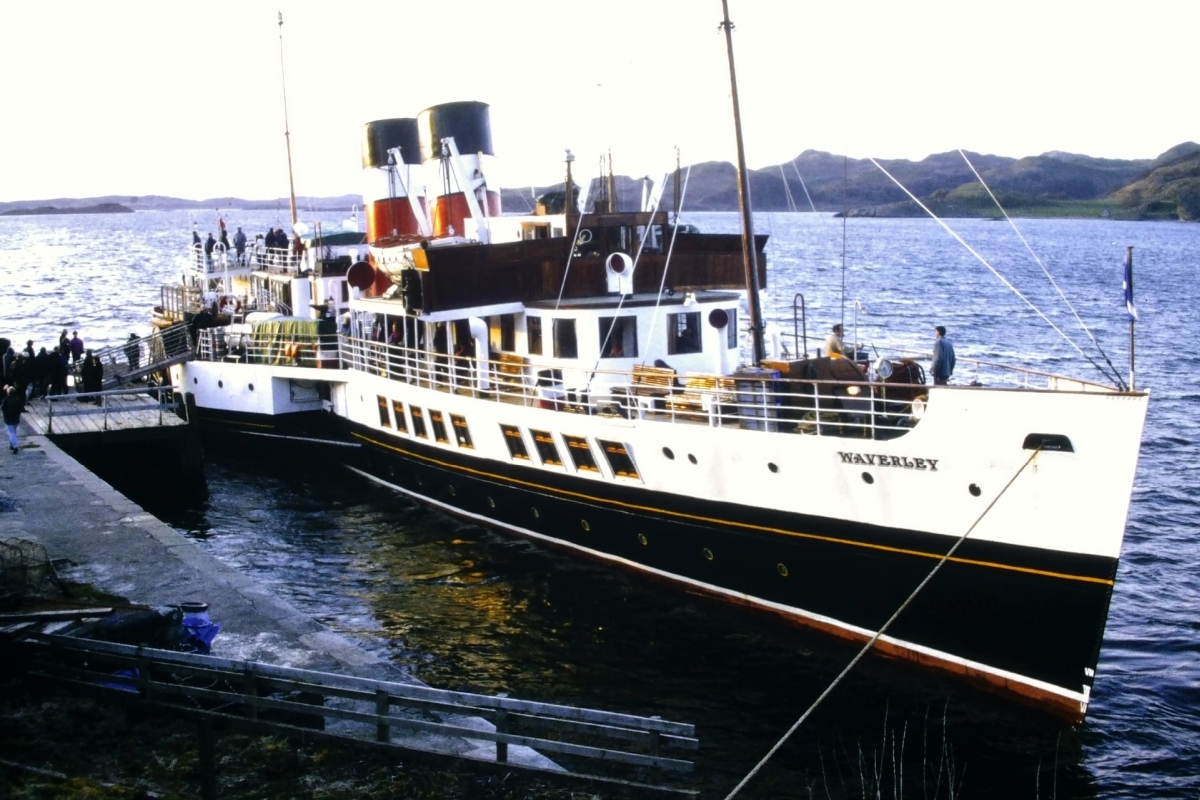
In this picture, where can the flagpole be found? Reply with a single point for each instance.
(1132, 317)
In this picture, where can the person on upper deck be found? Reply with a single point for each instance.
(833, 342)
(239, 246)
(943, 357)
(209, 244)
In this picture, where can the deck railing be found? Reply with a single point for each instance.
(866, 407)
(273, 259)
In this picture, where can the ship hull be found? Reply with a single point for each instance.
(1026, 621)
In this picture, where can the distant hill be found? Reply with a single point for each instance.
(99, 208)
(1053, 184)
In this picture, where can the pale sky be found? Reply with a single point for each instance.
(161, 97)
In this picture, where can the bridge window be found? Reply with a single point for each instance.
(581, 454)
(622, 340)
(546, 448)
(398, 412)
(439, 427)
(683, 333)
(461, 432)
(515, 442)
(533, 332)
(619, 459)
(418, 417)
(565, 343)
(385, 418)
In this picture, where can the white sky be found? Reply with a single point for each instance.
(183, 99)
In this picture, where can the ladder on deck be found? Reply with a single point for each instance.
(136, 359)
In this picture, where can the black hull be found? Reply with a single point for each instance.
(1011, 617)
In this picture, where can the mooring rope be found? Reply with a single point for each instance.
(871, 642)
(1116, 376)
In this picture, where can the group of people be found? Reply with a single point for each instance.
(271, 248)
(28, 375)
(941, 368)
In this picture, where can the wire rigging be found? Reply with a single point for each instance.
(667, 263)
(1116, 376)
(984, 261)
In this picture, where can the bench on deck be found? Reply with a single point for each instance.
(701, 396)
(652, 381)
(511, 370)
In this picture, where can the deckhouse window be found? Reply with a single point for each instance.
(398, 412)
(581, 454)
(515, 442)
(619, 459)
(621, 335)
(461, 432)
(731, 330)
(683, 333)
(508, 332)
(565, 343)
(533, 331)
(385, 418)
(439, 427)
(418, 417)
(546, 448)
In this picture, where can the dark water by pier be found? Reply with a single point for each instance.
(464, 608)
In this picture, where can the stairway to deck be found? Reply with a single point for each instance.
(136, 359)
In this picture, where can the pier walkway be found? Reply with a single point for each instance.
(95, 535)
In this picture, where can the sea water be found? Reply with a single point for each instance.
(464, 608)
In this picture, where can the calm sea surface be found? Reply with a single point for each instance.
(464, 608)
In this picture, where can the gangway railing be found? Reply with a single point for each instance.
(138, 358)
(143, 406)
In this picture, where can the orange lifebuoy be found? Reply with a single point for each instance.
(292, 350)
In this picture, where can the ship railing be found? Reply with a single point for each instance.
(863, 409)
(269, 347)
(275, 259)
(977, 372)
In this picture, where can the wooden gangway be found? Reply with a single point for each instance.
(358, 712)
(136, 359)
(128, 409)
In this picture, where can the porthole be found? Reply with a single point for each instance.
(251, 387)
(771, 465)
(453, 491)
(491, 503)
(534, 511)
(642, 538)
(583, 523)
(782, 570)
(868, 478)
(692, 458)
(974, 490)
(220, 384)
(668, 453)
(708, 554)
(195, 380)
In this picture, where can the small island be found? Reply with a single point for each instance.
(100, 208)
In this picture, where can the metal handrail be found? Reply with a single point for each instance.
(164, 401)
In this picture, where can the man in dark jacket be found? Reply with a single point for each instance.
(12, 405)
(943, 358)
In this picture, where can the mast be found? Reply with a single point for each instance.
(287, 136)
(749, 253)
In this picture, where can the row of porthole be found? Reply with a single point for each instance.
(221, 384)
(670, 454)
(974, 489)
(641, 537)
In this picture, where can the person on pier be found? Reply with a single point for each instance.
(12, 406)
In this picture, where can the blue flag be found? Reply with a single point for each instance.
(1129, 306)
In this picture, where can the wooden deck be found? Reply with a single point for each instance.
(122, 410)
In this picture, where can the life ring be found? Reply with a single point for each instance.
(584, 237)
